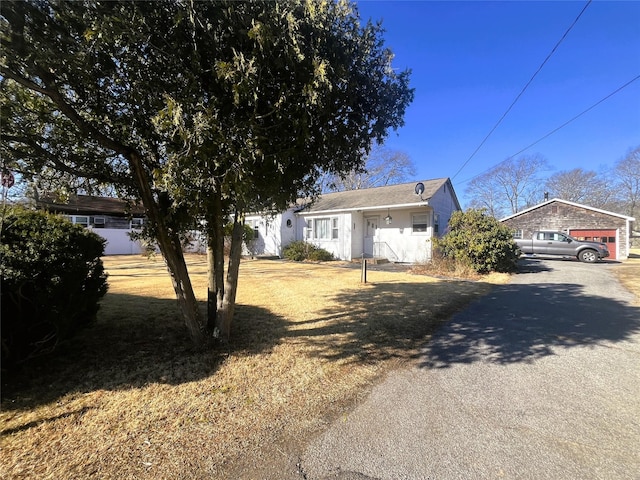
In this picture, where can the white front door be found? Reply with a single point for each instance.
(370, 230)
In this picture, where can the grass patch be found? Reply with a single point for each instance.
(628, 273)
(129, 397)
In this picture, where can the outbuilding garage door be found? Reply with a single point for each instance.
(604, 236)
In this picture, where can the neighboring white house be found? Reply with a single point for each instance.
(396, 222)
(107, 217)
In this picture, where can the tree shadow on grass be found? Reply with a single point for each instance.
(383, 321)
(135, 341)
(141, 340)
(513, 323)
(522, 323)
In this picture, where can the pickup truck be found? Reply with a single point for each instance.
(560, 244)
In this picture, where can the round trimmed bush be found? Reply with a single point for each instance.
(52, 280)
(479, 241)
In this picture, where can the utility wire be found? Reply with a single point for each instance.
(558, 128)
(523, 90)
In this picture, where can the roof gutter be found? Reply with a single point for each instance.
(396, 206)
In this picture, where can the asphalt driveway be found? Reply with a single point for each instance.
(538, 380)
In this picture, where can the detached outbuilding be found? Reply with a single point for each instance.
(579, 221)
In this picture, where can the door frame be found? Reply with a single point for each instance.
(370, 222)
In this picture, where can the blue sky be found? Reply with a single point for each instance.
(470, 60)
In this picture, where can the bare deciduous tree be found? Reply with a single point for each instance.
(383, 166)
(487, 196)
(580, 186)
(627, 173)
(509, 187)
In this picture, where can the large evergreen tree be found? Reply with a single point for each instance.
(201, 110)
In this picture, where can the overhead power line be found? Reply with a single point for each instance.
(553, 50)
(557, 128)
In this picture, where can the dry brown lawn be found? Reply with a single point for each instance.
(628, 272)
(129, 397)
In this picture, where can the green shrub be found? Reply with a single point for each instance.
(320, 255)
(247, 232)
(248, 237)
(479, 241)
(52, 279)
(299, 251)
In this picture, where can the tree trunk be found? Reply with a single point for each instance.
(226, 308)
(215, 259)
(211, 285)
(174, 258)
(171, 250)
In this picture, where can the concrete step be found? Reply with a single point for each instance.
(378, 260)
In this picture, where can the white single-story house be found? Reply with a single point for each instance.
(396, 222)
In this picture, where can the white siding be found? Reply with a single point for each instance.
(259, 244)
(443, 205)
(339, 247)
(395, 241)
(118, 241)
(274, 232)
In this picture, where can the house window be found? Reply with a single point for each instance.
(308, 231)
(254, 224)
(98, 222)
(321, 228)
(517, 234)
(419, 223)
(137, 223)
(436, 222)
(324, 228)
(84, 221)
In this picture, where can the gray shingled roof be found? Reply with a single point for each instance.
(401, 194)
(88, 205)
(567, 202)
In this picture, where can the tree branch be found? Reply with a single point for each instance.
(50, 91)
